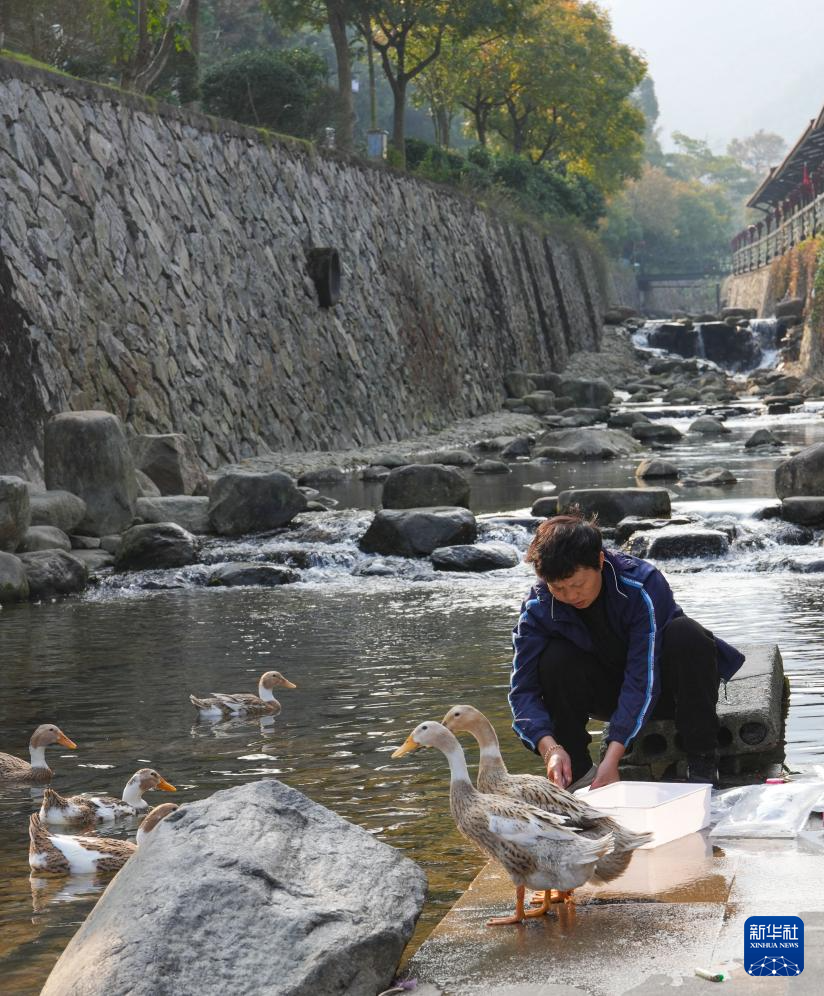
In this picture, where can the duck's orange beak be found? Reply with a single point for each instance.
(406, 747)
(64, 741)
(165, 786)
(288, 684)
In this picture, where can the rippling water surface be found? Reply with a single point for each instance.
(371, 656)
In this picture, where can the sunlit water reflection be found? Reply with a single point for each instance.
(372, 657)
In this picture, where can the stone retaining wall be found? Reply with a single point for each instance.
(154, 264)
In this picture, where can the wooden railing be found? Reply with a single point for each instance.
(755, 250)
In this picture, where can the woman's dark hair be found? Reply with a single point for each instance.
(562, 544)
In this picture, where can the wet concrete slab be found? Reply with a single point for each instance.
(678, 907)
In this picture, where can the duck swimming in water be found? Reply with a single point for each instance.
(15, 769)
(64, 854)
(98, 808)
(221, 704)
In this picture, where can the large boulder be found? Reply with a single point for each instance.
(635, 524)
(247, 501)
(44, 538)
(87, 453)
(584, 444)
(519, 446)
(540, 402)
(655, 432)
(678, 541)
(762, 437)
(13, 584)
(449, 458)
(155, 545)
(189, 511)
(60, 509)
(146, 487)
(655, 467)
(171, 461)
(613, 504)
(586, 393)
(15, 514)
(252, 573)
(518, 384)
(709, 426)
(425, 486)
(546, 506)
(709, 477)
(95, 560)
(416, 532)
(802, 474)
(255, 889)
(626, 420)
(475, 557)
(806, 511)
(54, 572)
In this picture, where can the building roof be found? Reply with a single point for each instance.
(784, 179)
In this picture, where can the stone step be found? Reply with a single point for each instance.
(749, 711)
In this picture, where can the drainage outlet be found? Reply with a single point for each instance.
(324, 269)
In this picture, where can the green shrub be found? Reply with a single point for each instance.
(282, 90)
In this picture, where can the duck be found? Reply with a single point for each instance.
(151, 820)
(220, 704)
(99, 808)
(536, 848)
(541, 792)
(66, 854)
(16, 769)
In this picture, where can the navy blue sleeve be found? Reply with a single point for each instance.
(642, 677)
(531, 721)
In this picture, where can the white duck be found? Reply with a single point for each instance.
(99, 808)
(221, 704)
(65, 854)
(15, 769)
(536, 848)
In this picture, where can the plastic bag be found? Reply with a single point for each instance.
(770, 811)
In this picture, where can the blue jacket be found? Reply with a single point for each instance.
(639, 605)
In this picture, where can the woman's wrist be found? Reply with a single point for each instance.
(547, 752)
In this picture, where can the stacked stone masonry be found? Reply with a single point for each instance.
(153, 263)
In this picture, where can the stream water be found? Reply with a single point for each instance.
(372, 657)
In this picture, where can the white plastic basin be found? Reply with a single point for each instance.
(667, 809)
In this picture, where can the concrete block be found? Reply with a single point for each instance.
(751, 721)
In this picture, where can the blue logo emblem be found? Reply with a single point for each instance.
(774, 945)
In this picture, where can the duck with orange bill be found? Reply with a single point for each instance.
(67, 854)
(99, 808)
(223, 705)
(536, 848)
(537, 790)
(15, 769)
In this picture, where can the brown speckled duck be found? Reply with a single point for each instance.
(220, 704)
(15, 769)
(541, 792)
(98, 808)
(64, 854)
(536, 848)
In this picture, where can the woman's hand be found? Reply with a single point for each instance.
(606, 774)
(557, 761)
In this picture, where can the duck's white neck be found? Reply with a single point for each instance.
(133, 795)
(490, 748)
(457, 764)
(265, 693)
(38, 757)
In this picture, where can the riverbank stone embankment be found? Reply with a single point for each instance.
(255, 889)
(129, 504)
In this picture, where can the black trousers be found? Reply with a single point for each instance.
(577, 686)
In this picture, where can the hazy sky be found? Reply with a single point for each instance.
(725, 68)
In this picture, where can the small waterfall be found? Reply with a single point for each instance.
(700, 349)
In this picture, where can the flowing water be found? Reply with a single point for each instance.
(372, 657)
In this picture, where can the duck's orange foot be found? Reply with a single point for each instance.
(537, 898)
(543, 909)
(516, 917)
(505, 921)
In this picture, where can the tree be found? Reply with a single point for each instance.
(559, 90)
(758, 152)
(409, 35)
(337, 15)
(283, 90)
